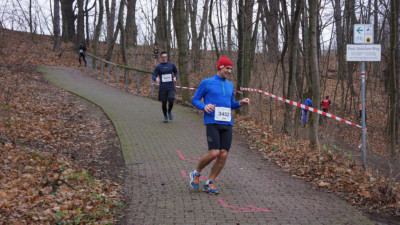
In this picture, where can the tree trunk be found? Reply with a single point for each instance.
(293, 61)
(213, 30)
(229, 31)
(197, 38)
(247, 33)
(306, 47)
(181, 30)
(68, 19)
(393, 87)
(98, 27)
(56, 27)
(131, 28)
(339, 38)
(161, 41)
(30, 20)
(169, 29)
(314, 142)
(80, 36)
(272, 31)
(110, 28)
(398, 72)
(86, 15)
(122, 30)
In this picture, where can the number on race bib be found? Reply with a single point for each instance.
(222, 114)
(166, 77)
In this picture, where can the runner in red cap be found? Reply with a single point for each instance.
(218, 95)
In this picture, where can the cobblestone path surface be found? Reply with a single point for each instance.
(159, 157)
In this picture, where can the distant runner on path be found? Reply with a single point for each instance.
(82, 52)
(218, 95)
(165, 75)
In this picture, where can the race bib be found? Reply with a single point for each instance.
(80, 50)
(166, 77)
(222, 114)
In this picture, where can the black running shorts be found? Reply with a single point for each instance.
(166, 95)
(219, 136)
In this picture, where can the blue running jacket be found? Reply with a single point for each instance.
(217, 91)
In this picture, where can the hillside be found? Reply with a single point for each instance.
(45, 134)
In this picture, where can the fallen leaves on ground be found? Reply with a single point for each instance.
(49, 146)
(328, 170)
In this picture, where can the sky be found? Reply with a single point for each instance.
(14, 15)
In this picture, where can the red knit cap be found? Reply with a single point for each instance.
(224, 62)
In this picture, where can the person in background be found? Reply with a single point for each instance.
(82, 52)
(165, 75)
(326, 103)
(308, 103)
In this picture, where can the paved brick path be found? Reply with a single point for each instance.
(159, 158)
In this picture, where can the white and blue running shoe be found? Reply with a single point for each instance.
(194, 180)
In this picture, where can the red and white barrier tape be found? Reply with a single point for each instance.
(188, 88)
(301, 106)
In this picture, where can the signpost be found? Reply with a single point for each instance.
(363, 51)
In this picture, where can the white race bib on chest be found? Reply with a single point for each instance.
(222, 114)
(81, 50)
(166, 77)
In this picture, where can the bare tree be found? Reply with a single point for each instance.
(80, 36)
(56, 27)
(86, 13)
(293, 61)
(197, 37)
(229, 29)
(131, 28)
(398, 71)
(120, 27)
(110, 28)
(393, 82)
(214, 37)
(270, 20)
(161, 40)
(68, 20)
(181, 30)
(314, 142)
(28, 18)
(247, 36)
(98, 27)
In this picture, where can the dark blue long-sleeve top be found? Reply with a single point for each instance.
(166, 71)
(217, 91)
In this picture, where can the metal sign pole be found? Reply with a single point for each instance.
(363, 124)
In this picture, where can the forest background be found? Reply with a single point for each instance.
(294, 49)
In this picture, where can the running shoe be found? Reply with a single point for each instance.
(194, 179)
(165, 120)
(171, 117)
(210, 188)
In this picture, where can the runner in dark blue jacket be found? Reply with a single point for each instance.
(82, 52)
(218, 95)
(165, 75)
